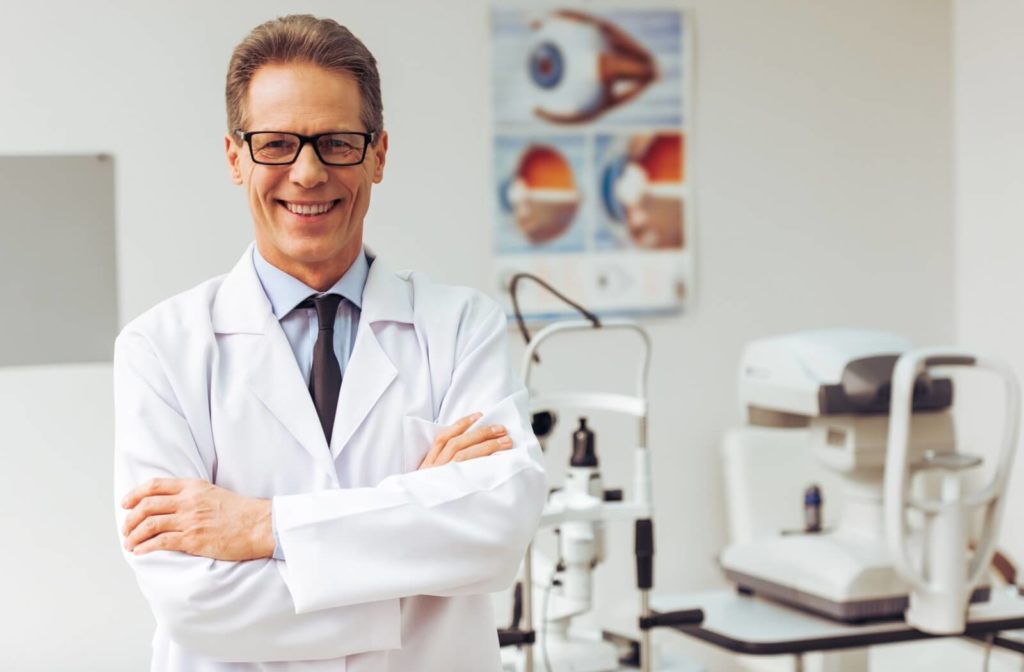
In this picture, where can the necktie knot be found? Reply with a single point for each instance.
(326, 306)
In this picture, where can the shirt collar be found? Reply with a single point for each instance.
(286, 291)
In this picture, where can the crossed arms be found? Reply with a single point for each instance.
(458, 527)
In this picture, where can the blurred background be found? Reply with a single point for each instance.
(853, 164)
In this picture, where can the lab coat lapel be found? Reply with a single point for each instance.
(275, 378)
(259, 350)
(370, 371)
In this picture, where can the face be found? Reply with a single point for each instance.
(306, 99)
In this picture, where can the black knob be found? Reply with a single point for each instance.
(583, 453)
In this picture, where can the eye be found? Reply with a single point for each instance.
(546, 65)
(580, 66)
(541, 195)
(341, 146)
(273, 145)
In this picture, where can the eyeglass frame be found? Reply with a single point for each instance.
(368, 136)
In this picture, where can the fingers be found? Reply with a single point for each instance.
(150, 528)
(149, 506)
(156, 486)
(168, 541)
(446, 435)
(483, 449)
(458, 428)
(467, 440)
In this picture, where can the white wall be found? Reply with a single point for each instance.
(822, 170)
(69, 600)
(988, 88)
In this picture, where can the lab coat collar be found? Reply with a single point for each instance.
(242, 307)
(386, 297)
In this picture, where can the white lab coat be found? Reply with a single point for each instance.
(386, 568)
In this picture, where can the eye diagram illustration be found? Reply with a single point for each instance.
(541, 194)
(582, 66)
(592, 188)
(642, 190)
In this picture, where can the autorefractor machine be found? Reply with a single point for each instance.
(878, 413)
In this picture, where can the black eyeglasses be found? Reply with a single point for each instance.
(273, 148)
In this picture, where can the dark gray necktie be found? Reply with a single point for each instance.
(325, 377)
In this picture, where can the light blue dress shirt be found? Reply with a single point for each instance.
(301, 325)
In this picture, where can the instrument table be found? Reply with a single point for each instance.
(753, 625)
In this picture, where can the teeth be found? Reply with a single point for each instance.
(312, 209)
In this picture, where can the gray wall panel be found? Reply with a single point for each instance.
(57, 260)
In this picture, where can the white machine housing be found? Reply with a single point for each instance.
(786, 374)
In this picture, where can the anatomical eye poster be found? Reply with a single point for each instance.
(592, 187)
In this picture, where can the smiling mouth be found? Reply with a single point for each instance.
(309, 209)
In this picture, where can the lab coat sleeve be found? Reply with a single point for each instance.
(226, 611)
(461, 528)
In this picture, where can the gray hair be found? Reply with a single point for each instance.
(302, 38)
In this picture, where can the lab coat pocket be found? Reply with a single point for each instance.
(418, 436)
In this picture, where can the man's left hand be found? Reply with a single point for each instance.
(195, 517)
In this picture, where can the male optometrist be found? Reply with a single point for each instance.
(321, 464)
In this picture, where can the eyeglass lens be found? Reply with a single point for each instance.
(334, 148)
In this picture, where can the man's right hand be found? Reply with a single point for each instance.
(456, 443)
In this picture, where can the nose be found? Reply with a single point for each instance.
(308, 171)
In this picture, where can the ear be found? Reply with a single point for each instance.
(380, 151)
(233, 151)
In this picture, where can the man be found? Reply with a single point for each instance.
(321, 464)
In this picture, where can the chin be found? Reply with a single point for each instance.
(312, 250)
